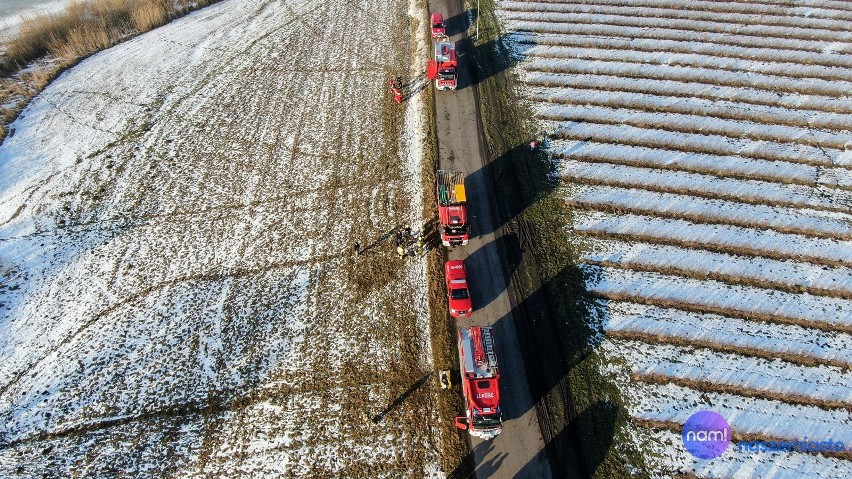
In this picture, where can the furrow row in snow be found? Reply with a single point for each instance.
(770, 418)
(719, 298)
(798, 105)
(838, 10)
(605, 30)
(635, 147)
(691, 60)
(720, 238)
(650, 9)
(708, 146)
(745, 79)
(718, 109)
(746, 337)
(792, 276)
(709, 186)
(796, 141)
(825, 58)
(701, 27)
(826, 384)
(794, 465)
(701, 210)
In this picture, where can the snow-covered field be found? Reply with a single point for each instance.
(706, 150)
(178, 290)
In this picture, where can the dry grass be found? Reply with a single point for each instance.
(83, 28)
(150, 14)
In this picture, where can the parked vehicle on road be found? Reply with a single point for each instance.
(443, 66)
(452, 208)
(480, 383)
(438, 28)
(458, 294)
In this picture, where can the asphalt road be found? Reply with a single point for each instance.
(519, 451)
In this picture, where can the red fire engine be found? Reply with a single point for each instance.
(443, 67)
(480, 377)
(452, 208)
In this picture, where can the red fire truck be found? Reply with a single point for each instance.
(480, 378)
(443, 67)
(452, 208)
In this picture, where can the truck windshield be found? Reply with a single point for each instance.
(458, 230)
(459, 293)
(486, 422)
(445, 75)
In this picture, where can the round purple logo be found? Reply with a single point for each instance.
(706, 434)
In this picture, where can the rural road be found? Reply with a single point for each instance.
(519, 451)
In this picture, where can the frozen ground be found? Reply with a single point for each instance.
(703, 148)
(179, 292)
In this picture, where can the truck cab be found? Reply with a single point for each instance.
(438, 28)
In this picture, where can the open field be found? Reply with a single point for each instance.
(704, 152)
(179, 294)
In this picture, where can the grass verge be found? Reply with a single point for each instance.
(582, 416)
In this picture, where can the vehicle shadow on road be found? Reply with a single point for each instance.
(502, 168)
(459, 23)
(600, 414)
(486, 469)
(473, 72)
(556, 335)
(505, 246)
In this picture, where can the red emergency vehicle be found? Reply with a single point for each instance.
(452, 208)
(458, 295)
(445, 64)
(480, 377)
(438, 28)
